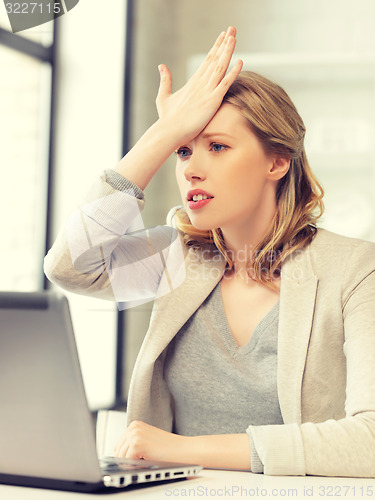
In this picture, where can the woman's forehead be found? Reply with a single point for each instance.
(228, 120)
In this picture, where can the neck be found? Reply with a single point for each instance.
(242, 240)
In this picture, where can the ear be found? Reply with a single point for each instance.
(279, 168)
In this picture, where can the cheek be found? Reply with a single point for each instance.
(250, 176)
(248, 185)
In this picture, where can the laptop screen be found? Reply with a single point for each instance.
(46, 429)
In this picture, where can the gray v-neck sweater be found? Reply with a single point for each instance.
(217, 386)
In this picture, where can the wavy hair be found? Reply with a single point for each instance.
(274, 119)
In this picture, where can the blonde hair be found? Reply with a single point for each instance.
(273, 118)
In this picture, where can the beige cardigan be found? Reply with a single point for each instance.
(326, 347)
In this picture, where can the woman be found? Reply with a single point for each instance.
(260, 350)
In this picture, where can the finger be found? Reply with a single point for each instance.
(122, 445)
(227, 81)
(165, 86)
(220, 47)
(229, 34)
(221, 63)
(122, 450)
(231, 31)
(211, 54)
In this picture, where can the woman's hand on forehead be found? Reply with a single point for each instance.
(191, 108)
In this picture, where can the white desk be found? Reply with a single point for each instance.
(220, 484)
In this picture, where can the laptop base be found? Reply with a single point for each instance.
(51, 484)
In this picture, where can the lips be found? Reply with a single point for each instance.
(198, 198)
(196, 192)
(194, 205)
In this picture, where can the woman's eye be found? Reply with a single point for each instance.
(217, 148)
(183, 152)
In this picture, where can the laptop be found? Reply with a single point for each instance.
(47, 433)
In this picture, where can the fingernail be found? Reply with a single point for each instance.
(161, 68)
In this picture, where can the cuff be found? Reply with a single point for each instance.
(114, 209)
(117, 181)
(280, 448)
(256, 463)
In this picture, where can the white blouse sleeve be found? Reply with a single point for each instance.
(104, 249)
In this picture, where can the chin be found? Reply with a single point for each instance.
(201, 224)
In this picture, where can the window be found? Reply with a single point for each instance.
(30, 133)
(27, 64)
(25, 89)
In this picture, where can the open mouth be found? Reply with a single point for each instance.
(199, 197)
(198, 200)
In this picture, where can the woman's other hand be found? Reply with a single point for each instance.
(141, 440)
(191, 108)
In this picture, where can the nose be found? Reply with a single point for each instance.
(194, 169)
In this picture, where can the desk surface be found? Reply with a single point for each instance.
(219, 484)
